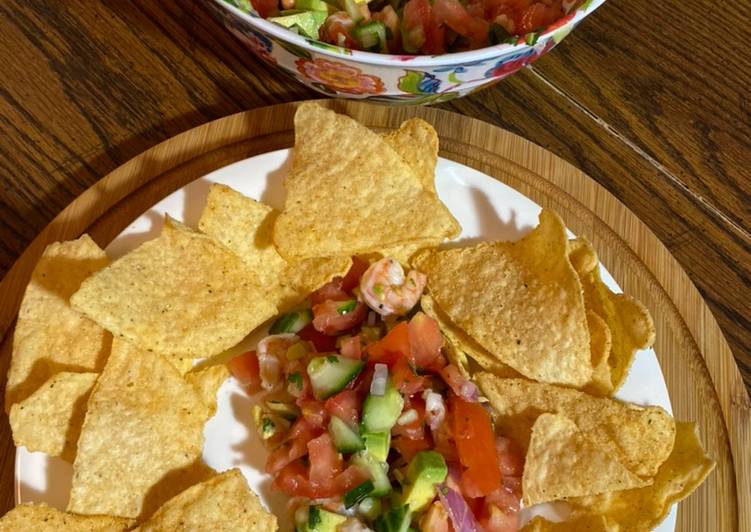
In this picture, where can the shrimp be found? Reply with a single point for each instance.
(386, 289)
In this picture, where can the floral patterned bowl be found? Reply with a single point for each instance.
(393, 79)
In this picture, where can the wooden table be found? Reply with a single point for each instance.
(652, 104)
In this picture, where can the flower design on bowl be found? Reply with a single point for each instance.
(416, 82)
(338, 76)
(513, 63)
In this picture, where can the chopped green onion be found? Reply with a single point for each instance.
(357, 494)
(347, 307)
(314, 517)
(332, 359)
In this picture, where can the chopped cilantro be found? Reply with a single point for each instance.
(295, 378)
(347, 307)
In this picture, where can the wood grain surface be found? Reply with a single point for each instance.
(702, 378)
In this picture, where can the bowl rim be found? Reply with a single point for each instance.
(374, 58)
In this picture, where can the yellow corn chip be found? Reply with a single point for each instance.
(639, 438)
(43, 518)
(459, 346)
(142, 437)
(182, 294)
(630, 323)
(50, 336)
(245, 226)
(644, 508)
(584, 523)
(50, 419)
(417, 142)
(562, 461)
(207, 381)
(600, 345)
(222, 503)
(522, 301)
(349, 192)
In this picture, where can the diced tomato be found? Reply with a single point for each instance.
(350, 347)
(536, 17)
(415, 429)
(475, 443)
(337, 30)
(459, 384)
(391, 347)
(435, 519)
(322, 342)
(415, 21)
(293, 480)
(346, 406)
(331, 316)
(508, 496)
(408, 447)
(405, 380)
(325, 462)
(352, 279)
(510, 457)
(266, 8)
(362, 383)
(352, 477)
(425, 340)
(456, 17)
(498, 521)
(435, 42)
(314, 412)
(246, 370)
(443, 440)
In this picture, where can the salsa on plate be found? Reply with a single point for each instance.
(367, 424)
(415, 26)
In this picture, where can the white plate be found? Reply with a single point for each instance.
(487, 210)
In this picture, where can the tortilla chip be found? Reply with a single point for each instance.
(645, 508)
(630, 323)
(600, 345)
(522, 301)
(417, 142)
(50, 419)
(245, 227)
(207, 382)
(43, 518)
(639, 438)
(584, 523)
(50, 336)
(459, 346)
(349, 193)
(142, 438)
(222, 503)
(562, 461)
(182, 294)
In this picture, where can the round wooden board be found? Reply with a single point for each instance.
(701, 374)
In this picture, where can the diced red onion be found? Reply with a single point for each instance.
(380, 378)
(460, 385)
(407, 417)
(435, 408)
(459, 512)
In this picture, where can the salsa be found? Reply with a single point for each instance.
(368, 425)
(415, 26)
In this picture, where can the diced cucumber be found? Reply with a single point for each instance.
(345, 439)
(380, 412)
(357, 494)
(371, 36)
(286, 410)
(395, 520)
(352, 8)
(369, 508)
(294, 321)
(332, 373)
(377, 470)
(311, 5)
(378, 444)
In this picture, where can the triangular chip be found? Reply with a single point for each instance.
(43, 518)
(245, 227)
(585, 523)
(349, 192)
(417, 142)
(522, 301)
(222, 503)
(182, 294)
(142, 438)
(562, 461)
(50, 419)
(50, 336)
(629, 322)
(640, 438)
(645, 508)
(207, 381)
(600, 345)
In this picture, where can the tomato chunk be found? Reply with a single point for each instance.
(425, 340)
(475, 444)
(346, 406)
(405, 379)
(392, 346)
(352, 279)
(245, 369)
(334, 316)
(350, 347)
(322, 342)
(293, 480)
(325, 462)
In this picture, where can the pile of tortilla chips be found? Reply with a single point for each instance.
(103, 369)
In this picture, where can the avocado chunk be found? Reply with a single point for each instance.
(377, 444)
(395, 520)
(377, 470)
(313, 5)
(426, 470)
(320, 520)
(380, 412)
(308, 22)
